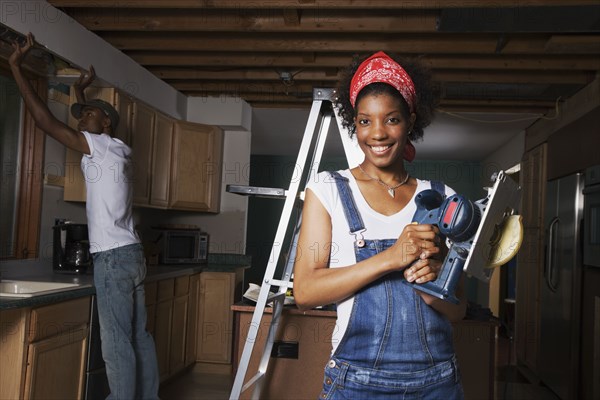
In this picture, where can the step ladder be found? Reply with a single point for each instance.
(313, 142)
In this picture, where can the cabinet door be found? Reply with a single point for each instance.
(530, 258)
(196, 167)
(161, 161)
(178, 332)
(162, 333)
(124, 106)
(56, 366)
(13, 350)
(192, 323)
(163, 323)
(142, 137)
(215, 317)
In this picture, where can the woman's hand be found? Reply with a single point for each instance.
(426, 269)
(416, 242)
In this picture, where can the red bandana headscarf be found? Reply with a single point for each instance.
(381, 68)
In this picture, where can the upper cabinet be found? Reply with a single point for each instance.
(196, 167)
(176, 164)
(142, 140)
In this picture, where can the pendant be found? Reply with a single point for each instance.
(391, 192)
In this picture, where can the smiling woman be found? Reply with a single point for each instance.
(21, 144)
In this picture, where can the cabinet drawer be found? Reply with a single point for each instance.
(182, 286)
(166, 289)
(57, 318)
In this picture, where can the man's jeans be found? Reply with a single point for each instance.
(127, 348)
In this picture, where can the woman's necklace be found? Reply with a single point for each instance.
(390, 189)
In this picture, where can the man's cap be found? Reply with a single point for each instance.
(106, 108)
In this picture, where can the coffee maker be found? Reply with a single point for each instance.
(71, 249)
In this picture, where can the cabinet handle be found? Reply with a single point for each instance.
(549, 269)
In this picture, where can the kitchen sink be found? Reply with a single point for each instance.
(14, 288)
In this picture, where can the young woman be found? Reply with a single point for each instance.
(357, 244)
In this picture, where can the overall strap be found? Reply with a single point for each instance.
(353, 218)
(439, 187)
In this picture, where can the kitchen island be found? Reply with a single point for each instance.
(303, 344)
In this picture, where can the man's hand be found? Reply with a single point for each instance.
(85, 80)
(19, 52)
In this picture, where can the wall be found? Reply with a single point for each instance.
(506, 156)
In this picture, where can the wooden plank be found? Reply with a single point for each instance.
(571, 110)
(462, 43)
(304, 4)
(485, 76)
(341, 60)
(286, 20)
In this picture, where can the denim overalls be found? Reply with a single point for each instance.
(395, 346)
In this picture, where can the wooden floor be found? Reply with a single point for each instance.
(511, 384)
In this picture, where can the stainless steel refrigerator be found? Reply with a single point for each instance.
(560, 293)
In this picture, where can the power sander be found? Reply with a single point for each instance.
(482, 235)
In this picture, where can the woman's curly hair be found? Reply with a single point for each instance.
(427, 95)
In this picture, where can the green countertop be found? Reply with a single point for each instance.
(217, 263)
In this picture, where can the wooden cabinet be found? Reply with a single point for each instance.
(56, 366)
(57, 351)
(179, 325)
(196, 167)
(192, 325)
(530, 258)
(46, 349)
(161, 161)
(173, 322)
(162, 325)
(218, 292)
(13, 352)
(142, 137)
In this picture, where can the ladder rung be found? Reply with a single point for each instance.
(277, 282)
(253, 380)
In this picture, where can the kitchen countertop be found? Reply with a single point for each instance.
(154, 273)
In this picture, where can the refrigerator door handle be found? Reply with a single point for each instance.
(550, 269)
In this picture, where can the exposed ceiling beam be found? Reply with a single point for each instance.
(321, 4)
(406, 43)
(499, 62)
(473, 75)
(286, 20)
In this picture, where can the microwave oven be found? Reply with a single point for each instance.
(184, 247)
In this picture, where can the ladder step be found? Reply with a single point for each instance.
(277, 282)
(253, 380)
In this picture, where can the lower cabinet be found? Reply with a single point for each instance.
(171, 305)
(218, 291)
(52, 364)
(43, 351)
